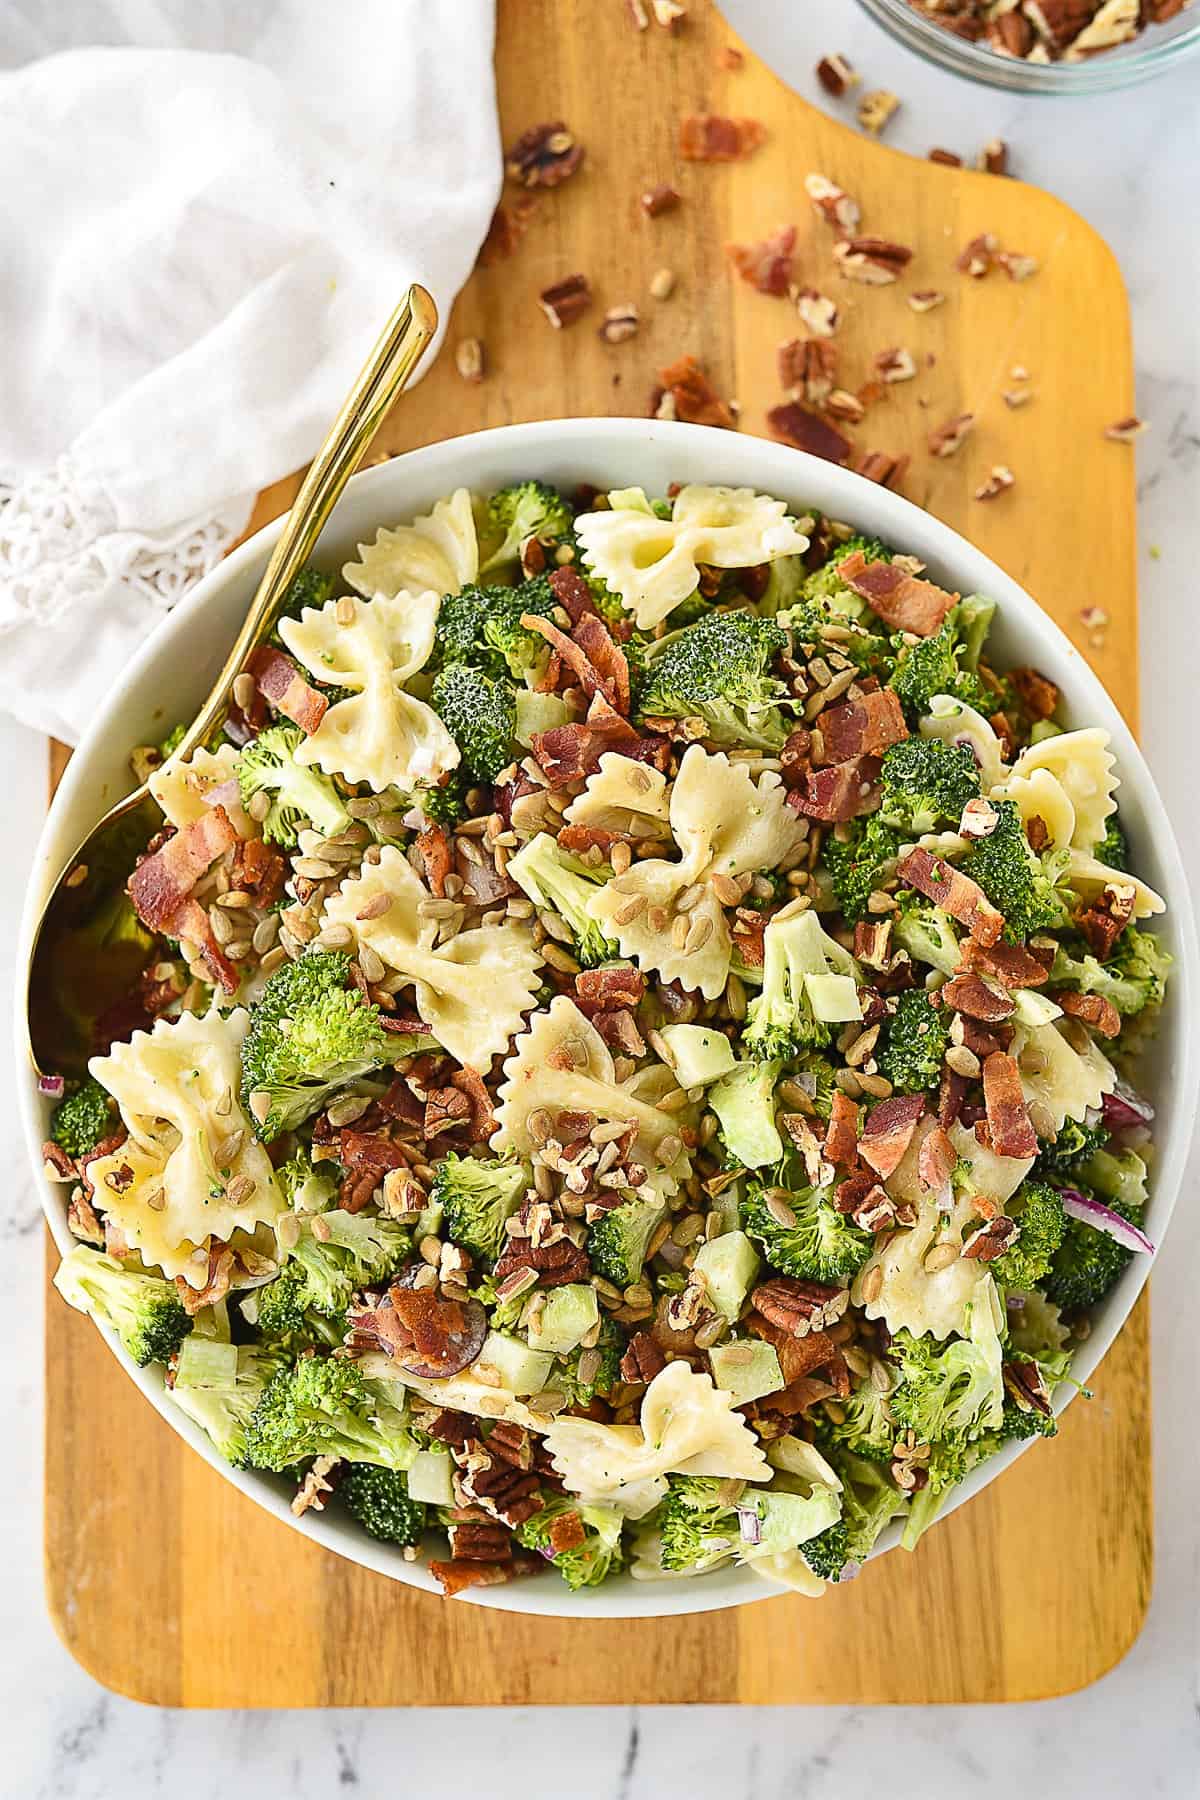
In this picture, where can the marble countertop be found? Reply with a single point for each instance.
(1128, 164)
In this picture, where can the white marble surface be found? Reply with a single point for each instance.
(1129, 164)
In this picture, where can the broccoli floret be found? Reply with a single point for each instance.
(601, 1380)
(1113, 847)
(618, 1240)
(563, 884)
(480, 714)
(925, 931)
(322, 1406)
(947, 1392)
(697, 1524)
(221, 1388)
(445, 803)
(175, 737)
(828, 1553)
(1134, 977)
(459, 634)
(744, 1103)
(378, 1498)
(310, 1034)
(945, 663)
(309, 589)
(917, 1040)
(781, 1020)
(477, 1195)
(869, 1501)
(307, 1187)
(860, 863)
(278, 1310)
(866, 1428)
(298, 795)
(822, 1245)
(926, 783)
(527, 509)
(1038, 1209)
(586, 1564)
(482, 626)
(1012, 877)
(1073, 1143)
(144, 1310)
(84, 1119)
(1088, 1262)
(353, 1250)
(718, 670)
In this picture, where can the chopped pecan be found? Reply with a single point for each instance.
(621, 984)
(767, 265)
(990, 1240)
(82, 1220)
(453, 1428)
(620, 324)
(807, 368)
(948, 158)
(924, 300)
(799, 1307)
(799, 1354)
(710, 137)
(544, 156)
(999, 479)
(880, 466)
(1094, 1009)
(618, 1027)
(888, 1131)
(875, 261)
(977, 258)
(1103, 920)
(479, 1540)
(660, 199)
(556, 1264)
(836, 75)
(1124, 431)
(951, 436)
(217, 1281)
(1027, 1387)
(993, 158)
(832, 203)
(643, 1359)
(896, 364)
(567, 300)
(818, 313)
(971, 994)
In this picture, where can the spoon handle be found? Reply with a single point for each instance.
(401, 344)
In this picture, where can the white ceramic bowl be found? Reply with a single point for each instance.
(168, 679)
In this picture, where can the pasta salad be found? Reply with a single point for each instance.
(629, 1061)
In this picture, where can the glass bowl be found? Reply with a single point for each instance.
(1157, 49)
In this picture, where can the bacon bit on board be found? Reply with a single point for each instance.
(955, 892)
(693, 396)
(902, 600)
(1009, 1125)
(803, 430)
(711, 137)
(888, 1131)
(279, 681)
(766, 265)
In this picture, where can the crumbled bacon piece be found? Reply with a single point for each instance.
(844, 791)
(618, 1027)
(569, 753)
(1094, 1009)
(1009, 1125)
(597, 663)
(258, 869)
(841, 1136)
(279, 681)
(433, 847)
(748, 931)
(572, 592)
(972, 995)
(766, 265)
(693, 396)
(710, 137)
(793, 424)
(621, 984)
(162, 881)
(936, 1160)
(880, 466)
(1103, 921)
(192, 923)
(464, 1572)
(796, 755)
(951, 1094)
(888, 1131)
(428, 1334)
(1037, 693)
(864, 727)
(901, 599)
(1010, 964)
(955, 892)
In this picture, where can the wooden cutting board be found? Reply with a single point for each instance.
(169, 1586)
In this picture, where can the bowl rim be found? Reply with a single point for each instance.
(771, 468)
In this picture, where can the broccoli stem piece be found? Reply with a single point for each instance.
(799, 995)
(926, 932)
(297, 794)
(559, 882)
(144, 1310)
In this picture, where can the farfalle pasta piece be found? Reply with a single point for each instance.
(380, 734)
(181, 788)
(654, 563)
(1041, 795)
(1089, 878)
(688, 1427)
(724, 824)
(438, 552)
(473, 991)
(1084, 768)
(191, 1168)
(913, 1298)
(562, 1064)
(957, 723)
(623, 795)
(1059, 1083)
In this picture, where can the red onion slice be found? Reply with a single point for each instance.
(1125, 1109)
(749, 1524)
(1091, 1212)
(228, 794)
(52, 1086)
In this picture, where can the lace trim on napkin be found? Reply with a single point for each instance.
(60, 544)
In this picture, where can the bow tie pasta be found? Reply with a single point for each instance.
(380, 735)
(190, 1169)
(624, 796)
(654, 563)
(725, 824)
(1083, 767)
(472, 991)
(438, 553)
(182, 789)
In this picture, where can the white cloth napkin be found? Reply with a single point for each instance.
(208, 211)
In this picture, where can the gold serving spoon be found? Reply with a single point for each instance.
(77, 971)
